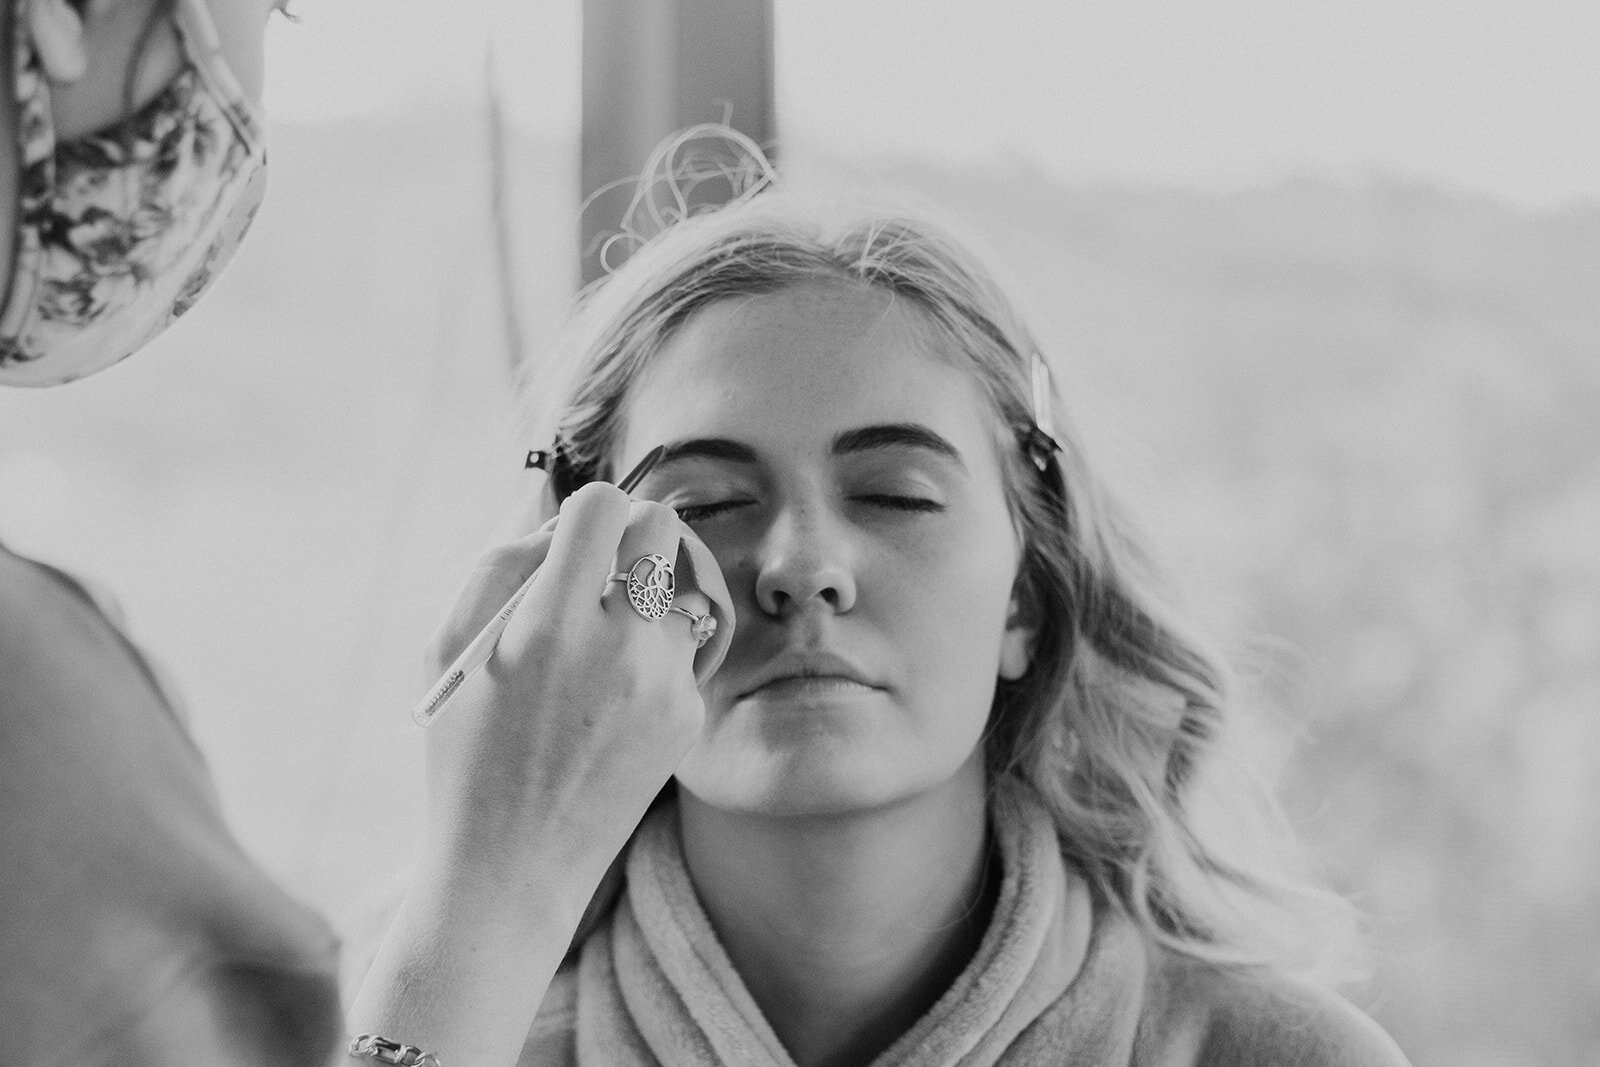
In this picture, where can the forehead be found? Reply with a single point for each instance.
(793, 368)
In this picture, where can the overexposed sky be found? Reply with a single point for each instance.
(1491, 96)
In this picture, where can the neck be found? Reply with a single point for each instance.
(847, 928)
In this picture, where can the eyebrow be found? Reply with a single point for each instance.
(864, 439)
(707, 448)
(896, 435)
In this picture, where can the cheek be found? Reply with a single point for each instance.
(950, 611)
(736, 560)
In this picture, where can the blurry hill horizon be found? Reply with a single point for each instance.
(1359, 419)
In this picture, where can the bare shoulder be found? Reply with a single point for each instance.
(36, 613)
(46, 626)
(37, 609)
(1250, 1020)
(61, 650)
(20, 584)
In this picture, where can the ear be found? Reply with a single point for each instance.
(57, 32)
(1016, 644)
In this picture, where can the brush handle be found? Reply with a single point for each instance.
(477, 653)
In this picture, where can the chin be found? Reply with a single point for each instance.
(817, 780)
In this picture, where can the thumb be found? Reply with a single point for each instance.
(706, 576)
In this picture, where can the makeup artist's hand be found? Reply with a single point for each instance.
(538, 771)
(547, 758)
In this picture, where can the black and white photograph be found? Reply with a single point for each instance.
(794, 533)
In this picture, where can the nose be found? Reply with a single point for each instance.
(806, 558)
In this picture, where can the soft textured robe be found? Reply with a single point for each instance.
(1060, 977)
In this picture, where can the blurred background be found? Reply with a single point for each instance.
(1319, 279)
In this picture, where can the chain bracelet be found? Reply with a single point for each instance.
(381, 1049)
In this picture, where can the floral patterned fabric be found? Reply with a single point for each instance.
(120, 231)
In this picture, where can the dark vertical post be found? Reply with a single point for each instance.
(654, 66)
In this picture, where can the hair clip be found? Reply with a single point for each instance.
(1040, 439)
(557, 464)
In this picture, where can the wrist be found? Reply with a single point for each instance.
(528, 889)
(559, 853)
(465, 963)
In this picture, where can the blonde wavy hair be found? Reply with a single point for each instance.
(1124, 704)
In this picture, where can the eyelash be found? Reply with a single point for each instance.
(902, 503)
(693, 513)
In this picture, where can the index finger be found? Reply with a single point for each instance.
(584, 544)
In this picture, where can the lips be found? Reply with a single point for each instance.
(797, 672)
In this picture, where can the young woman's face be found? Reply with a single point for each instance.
(847, 480)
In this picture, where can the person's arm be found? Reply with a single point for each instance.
(134, 928)
(538, 771)
(467, 959)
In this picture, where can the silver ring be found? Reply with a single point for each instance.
(703, 627)
(650, 586)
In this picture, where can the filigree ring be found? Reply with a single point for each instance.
(650, 586)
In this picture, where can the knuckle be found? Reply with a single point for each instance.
(595, 495)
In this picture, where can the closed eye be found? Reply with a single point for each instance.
(899, 503)
(696, 513)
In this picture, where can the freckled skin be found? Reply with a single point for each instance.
(917, 600)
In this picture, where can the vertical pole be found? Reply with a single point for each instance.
(651, 67)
